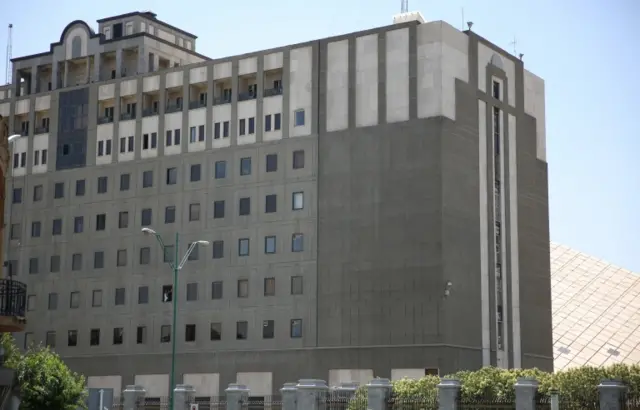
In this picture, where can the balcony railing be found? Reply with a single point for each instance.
(197, 104)
(270, 92)
(246, 96)
(24, 133)
(222, 100)
(41, 130)
(13, 298)
(173, 108)
(127, 116)
(105, 120)
(148, 112)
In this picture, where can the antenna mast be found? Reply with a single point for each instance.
(9, 51)
(404, 6)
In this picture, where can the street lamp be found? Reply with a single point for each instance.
(175, 266)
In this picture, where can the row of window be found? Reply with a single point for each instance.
(215, 333)
(40, 157)
(171, 177)
(122, 255)
(191, 293)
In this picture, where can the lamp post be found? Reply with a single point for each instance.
(176, 267)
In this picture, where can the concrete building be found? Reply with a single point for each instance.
(376, 203)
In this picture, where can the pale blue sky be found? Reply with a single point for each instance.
(587, 52)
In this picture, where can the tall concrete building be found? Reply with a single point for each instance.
(376, 204)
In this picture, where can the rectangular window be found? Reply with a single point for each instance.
(96, 298)
(298, 159)
(176, 137)
(130, 143)
(143, 295)
(98, 260)
(37, 193)
(267, 122)
(125, 182)
(54, 264)
(141, 335)
(190, 333)
(33, 266)
(220, 170)
(118, 335)
(296, 285)
(193, 136)
(72, 338)
(270, 286)
(35, 229)
(121, 257)
(268, 327)
(195, 252)
(167, 293)
(298, 118)
(169, 214)
(74, 300)
(201, 133)
(269, 244)
(101, 222)
(145, 141)
(194, 212)
(94, 337)
(194, 174)
(172, 176)
(17, 195)
(168, 254)
(123, 144)
(76, 261)
(15, 232)
(123, 219)
(119, 297)
(242, 330)
(252, 126)
(50, 340)
(102, 185)
(218, 249)
(31, 303)
(244, 207)
(216, 290)
(243, 247)
(53, 301)
(216, 331)
(218, 209)
(168, 139)
(165, 334)
(78, 224)
(58, 190)
(12, 267)
(296, 328)
(272, 163)
(270, 203)
(192, 292)
(216, 131)
(242, 127)
(146, 216)
(297, 242)
(80, 187)
(145, 255)
(297, 201)
(225, 129)
(154, 140)
(243, 288)
(147, 179)
(277, 121)
(245, 166)
(496, 90)
(56, 229)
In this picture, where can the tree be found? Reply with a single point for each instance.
(44, 380)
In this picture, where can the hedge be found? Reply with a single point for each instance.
(491, 383)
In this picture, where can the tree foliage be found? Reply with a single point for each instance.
(44, 380)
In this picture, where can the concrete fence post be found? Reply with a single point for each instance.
(132, 397)
(311, 394)
(555, 400)
(183, 394)
(346, 390)
(237, 395)
(448, 394)
(288, 393)
(611, 394)
(378, 393)
(526, 390)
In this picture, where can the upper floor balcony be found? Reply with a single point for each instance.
(248, 87)
(273, 82)
(174, 100)
(13, 304)
(150, 103)
(197, 95)
(222, 91)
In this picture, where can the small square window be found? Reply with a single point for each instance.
(296, 328)
(172, 176)
(218, 249)
(192, 292)
(195, 173)
(190, 333)
(269, 244)
(270, 286)
(94, 337)
(270, 203)
(272, 163)
(243, 288)
(268, 327)
(80, 187)
(296, 285)
(243, 247)
(125, 182)
(119, 297)
(220, 170)
(58, 190)
(216, 331)
(165, 334)
(298, 159)
(298, 118)
(143, 295)
(216, 290)
(141, 335)
(169, 214)
(194, 212)
(96, 298)
(145, 255)
(242, 330)
(218, 209)
(245, 166)
(297, 242)
(297, 201)
(147, 179)
(245, 206)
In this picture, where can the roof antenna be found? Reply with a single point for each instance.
(404, 6)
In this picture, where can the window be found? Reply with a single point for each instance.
(176, 136)
(36, 227)
(218, 209)
(37, 193)
(270, 286)
(270, 203)
(76, 261)
(165, 334)
(296, 285)
(119, 297)
(243, 247)
(192, 292)
(169, 214)
(245, 166)
(80, 187)
(242, 127)
(296, 328)
(267, 329)
(218, 249)
(28, 340)
(272, 163)
(146, 217)
(225, 129)
(53, 301)
(78, 224)
(267, 122)
(169, 253)
(54, 264)
(15, 231)
(172, 176)
(118, 335)
(145, 255)
(244, 206)
(193, 135)
(56, 228)
(101, 222)
(201, 127)
(195, 173)
(216, 290)
(252, 125)
(297, 242)
(298, 159)
(167, 293)
(216, 131)
(102, 185)
(98, 260)
(94, 337)
(72, 338)
(17, 195)
(143, 295)
(147, 179)
(190, 333)
(243, 288)
(277, 121)
(194, 212)
(168, 138)
(242, 330)
(31, 303)
(58, 190)
(50, 339)
(123, 219)
(298, 118)
(496, 90)
(220, 170)
(216, 331)
(195, 252)
(33, 265)
(96, 298)
(297, 201)
(269, 244)
(125, 182)
(141, 335)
